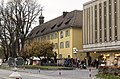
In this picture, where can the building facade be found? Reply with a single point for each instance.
(64, 31)
(101, 25)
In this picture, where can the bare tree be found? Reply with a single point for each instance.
(18, 16)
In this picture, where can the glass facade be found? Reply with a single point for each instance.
(100, 21)
(115, 18)
(95, 23)
(110, 21)
(104, 23)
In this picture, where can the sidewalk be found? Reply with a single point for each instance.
(70, 74)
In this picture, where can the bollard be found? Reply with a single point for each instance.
(23, 68)
(90, 73)
(59, 73)
(18, 78)
(39, 70)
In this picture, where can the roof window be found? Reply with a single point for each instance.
(43, 30)
(59, 24)
(67, 21)
(53, 26)
(37, 31)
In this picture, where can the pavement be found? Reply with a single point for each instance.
(59, 74)
(65, 74)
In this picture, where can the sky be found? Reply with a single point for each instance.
(55, 8)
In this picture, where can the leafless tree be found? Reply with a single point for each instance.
(18, 16)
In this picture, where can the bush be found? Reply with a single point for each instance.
(47, 67)
(108, 76)
(109, 70)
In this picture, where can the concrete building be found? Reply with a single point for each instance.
(101, 25)
(64, 31)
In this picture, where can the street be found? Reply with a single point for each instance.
(50, 74)
(4, 74)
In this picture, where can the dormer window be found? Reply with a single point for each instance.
(67, 21)
(53, 26)
(43, 30)
(59, 24)
(37, 32)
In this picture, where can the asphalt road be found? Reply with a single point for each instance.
(4, 74)
(50, 74)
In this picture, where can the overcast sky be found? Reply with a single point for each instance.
(55, 8)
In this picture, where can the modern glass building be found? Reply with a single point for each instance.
(101, 26)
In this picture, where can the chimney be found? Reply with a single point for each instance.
(64, 14)
(41, 19)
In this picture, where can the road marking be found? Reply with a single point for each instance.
(4, 77)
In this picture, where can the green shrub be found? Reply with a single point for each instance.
(107, 76)
(47, 67)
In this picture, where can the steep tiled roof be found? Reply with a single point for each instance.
(72, 19)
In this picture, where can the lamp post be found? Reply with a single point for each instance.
(75, 52)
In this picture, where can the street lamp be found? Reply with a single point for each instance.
(75, 50)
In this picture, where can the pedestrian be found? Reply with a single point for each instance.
(97, 63)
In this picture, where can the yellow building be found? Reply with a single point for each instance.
(64, 31)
